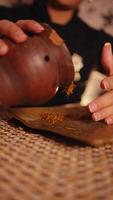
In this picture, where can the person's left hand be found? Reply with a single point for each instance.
(102, 107)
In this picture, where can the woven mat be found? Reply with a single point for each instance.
(41, 166)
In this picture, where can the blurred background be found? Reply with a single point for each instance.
(14, 2)
(96, 13)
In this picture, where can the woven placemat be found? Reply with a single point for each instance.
(36, 165)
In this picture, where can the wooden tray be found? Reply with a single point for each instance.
(70, 120)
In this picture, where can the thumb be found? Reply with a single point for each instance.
(107, 58)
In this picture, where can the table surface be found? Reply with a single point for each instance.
(38, 165)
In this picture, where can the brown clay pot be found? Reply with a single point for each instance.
(32, 72)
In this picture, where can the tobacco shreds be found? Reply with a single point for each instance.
(69, 90)
(52, 118)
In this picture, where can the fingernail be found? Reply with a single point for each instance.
(106, 85)
(109, 121)
(107, 44)
(96, 116)
(39, 27)
(92, 107)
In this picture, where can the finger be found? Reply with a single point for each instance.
(12, 31)
(109, 120)
(107, 83)
(101, 102)
(3, 48)
(30, 25)
(102, 114)
(107, 58)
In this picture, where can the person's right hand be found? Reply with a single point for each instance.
(17, 31)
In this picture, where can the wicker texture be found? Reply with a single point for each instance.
(41, 166)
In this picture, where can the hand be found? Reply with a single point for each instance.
(16, 31)
(102, 107)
